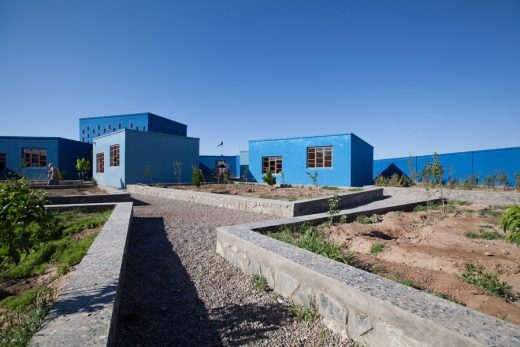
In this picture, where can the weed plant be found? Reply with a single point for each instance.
(476, 275)
(304, 314)
(510, 222)
(259, 282)
(377, 248)
(361, 219)
(483, 234)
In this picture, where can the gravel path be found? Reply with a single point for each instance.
(178, 292)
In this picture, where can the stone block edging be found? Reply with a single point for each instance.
(265, 206)
(363, 306)
(85, 313)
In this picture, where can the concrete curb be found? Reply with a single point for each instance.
(357, 304)
(86, 311)
(257, 205)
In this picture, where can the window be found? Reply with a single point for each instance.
(119, 125)
(83, 139)
(104, 131)
(319, 156)
(34, 157)
(114, 155)
(88, 135)
(144, 128)
(109, 126)
(83, 131)
(100, 162)
(98, 127)
(274, 164)
(88, 127)
(2, 162)
(132, 125)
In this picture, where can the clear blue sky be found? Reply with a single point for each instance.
(409, 77)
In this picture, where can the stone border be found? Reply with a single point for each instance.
(86, 311)
(265, 206)
(357, 304)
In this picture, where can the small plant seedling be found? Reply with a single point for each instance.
(377, 248)
(483, 234)
(476, 275)
(333, 208)
(148, 172)
(259, 282)
(343, 219)
(177, 170)
(196, 176)
(363, 220)
(268, 178)
(313, 177)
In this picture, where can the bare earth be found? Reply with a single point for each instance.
(430, 249)
(266, 192)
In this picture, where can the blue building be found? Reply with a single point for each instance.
(129, 156)
(209, 165)
(92, 127)
(339, 160)
(458, 166)
(29, 156)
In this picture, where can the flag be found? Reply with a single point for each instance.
(221, 144)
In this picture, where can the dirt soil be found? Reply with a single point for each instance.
(73, 191)
(266, 192)
(431, 249)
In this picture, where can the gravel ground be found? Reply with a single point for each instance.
(178, 292)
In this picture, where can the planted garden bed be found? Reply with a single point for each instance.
(292, 193)
(458, 253)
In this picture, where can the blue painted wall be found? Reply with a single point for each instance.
(244, 166)
(138, 149)
(61, 152)
(461, 165)
(207, 164)
(90, 128)
(352, 159)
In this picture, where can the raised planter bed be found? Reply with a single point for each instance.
(363, 306)
(266, 206)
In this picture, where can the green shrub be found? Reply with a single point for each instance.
(313, 177)
(475, 274)
(517, 181)
(269, 178)
(510, 222)
(196, 176)
(470, 183)
(333, 208)
(24, 220)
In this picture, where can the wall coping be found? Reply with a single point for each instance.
(85, 313)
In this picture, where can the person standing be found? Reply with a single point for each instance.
(54, 175)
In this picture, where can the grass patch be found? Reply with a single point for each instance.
(355, 189)
(447, 297)
(449, 207)
(377, 248)
(476, 275)
(363, 220)
(22, 314)
(484, 234)
(304, 314)
(397, 277)
(20, 324)
(259, 282)
(308, 238)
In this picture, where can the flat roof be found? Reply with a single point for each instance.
(130, 115)
(142, 133)
(312, 136)
(37, 138)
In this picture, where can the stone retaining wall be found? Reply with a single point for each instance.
(89, 199)
(85, 313)
(265, 206)
(365, 307)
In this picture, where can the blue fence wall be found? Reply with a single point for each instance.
(92, 127)
(207, 163)
(459, 165)
(61, 152)
(352, 159)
